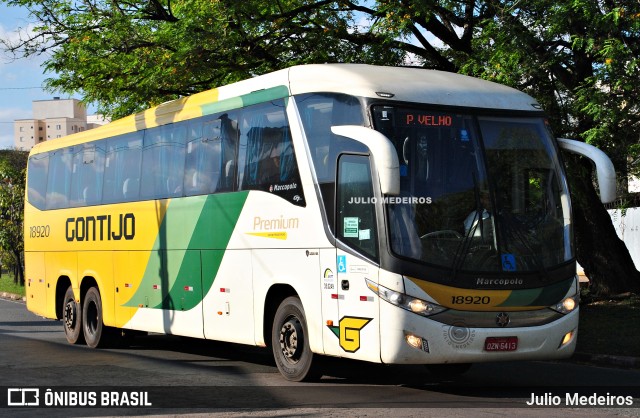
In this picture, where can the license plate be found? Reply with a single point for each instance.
(501, 344)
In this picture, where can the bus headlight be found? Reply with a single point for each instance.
(404, 301)
(570, 301)
(567, 305)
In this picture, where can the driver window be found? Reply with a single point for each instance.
(355, 205)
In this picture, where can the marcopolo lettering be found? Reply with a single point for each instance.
(101, 228)
(498, 282)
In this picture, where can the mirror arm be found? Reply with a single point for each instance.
(605, 171)
(384, 155)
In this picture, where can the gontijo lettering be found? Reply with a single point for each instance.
(101, 228)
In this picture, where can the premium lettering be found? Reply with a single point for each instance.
(276, 223)
(101, 228)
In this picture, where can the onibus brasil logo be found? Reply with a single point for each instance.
(348, 331)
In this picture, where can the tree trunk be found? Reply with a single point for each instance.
(604, 257)
(19, 270)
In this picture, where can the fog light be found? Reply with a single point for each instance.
(414, 341)
(417, 342)
(567, 338)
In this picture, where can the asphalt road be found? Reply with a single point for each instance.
(171, 375)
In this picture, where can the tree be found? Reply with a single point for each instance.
(12, 184)
(129, 55)
(579, 58)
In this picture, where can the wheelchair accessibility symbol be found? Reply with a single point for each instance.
(508, 262)
(342, 264)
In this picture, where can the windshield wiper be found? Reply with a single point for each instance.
(513, 230)
(463, 248)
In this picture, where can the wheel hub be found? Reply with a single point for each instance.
(70, 314)
(289, 339)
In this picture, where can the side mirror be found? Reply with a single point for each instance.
(384, 155)
(605, 172)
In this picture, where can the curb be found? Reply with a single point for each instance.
(607, 360)
(12, 296)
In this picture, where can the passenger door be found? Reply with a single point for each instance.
(356, 259)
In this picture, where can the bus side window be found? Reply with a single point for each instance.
(87, 175)
(229, 135)
(37, 186)
(163, 161)
(266, 156)
(59, 179)
(356, 213)
(211, 150)
(122, 168)
(319, 112)
(262, 160)
(194, 181)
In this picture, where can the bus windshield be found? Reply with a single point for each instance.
(478, 194)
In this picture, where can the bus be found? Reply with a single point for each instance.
(384, 214)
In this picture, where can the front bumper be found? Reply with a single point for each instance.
(445, 343)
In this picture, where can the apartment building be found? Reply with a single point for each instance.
(53, 119)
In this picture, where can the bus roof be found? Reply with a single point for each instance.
(409, 84)
(404, 84)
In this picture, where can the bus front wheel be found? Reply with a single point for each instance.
(290, 343)
(72, 318)
(92, 325)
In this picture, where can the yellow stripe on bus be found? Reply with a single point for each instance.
(473, 299)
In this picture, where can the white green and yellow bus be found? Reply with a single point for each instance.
(391, 215)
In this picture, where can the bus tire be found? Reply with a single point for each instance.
(72, 318)
(92, 325)
(290, 343)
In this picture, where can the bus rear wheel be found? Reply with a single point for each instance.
(72, 318)
(92, 325)
(290, 343)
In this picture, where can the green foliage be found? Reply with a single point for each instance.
(12, 186)
(579, 58)
(127, 56)
(8, 284)
(600, 322)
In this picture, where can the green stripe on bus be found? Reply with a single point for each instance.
(259, 96)
(213, 230)
(172, 279)
(541, 296)
(523, 297)
(554, 293)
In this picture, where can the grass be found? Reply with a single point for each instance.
(607, 326)
(7, 285)
(610, 326)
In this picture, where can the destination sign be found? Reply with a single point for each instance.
(426, 119)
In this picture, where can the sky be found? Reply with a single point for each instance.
(21, 80)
